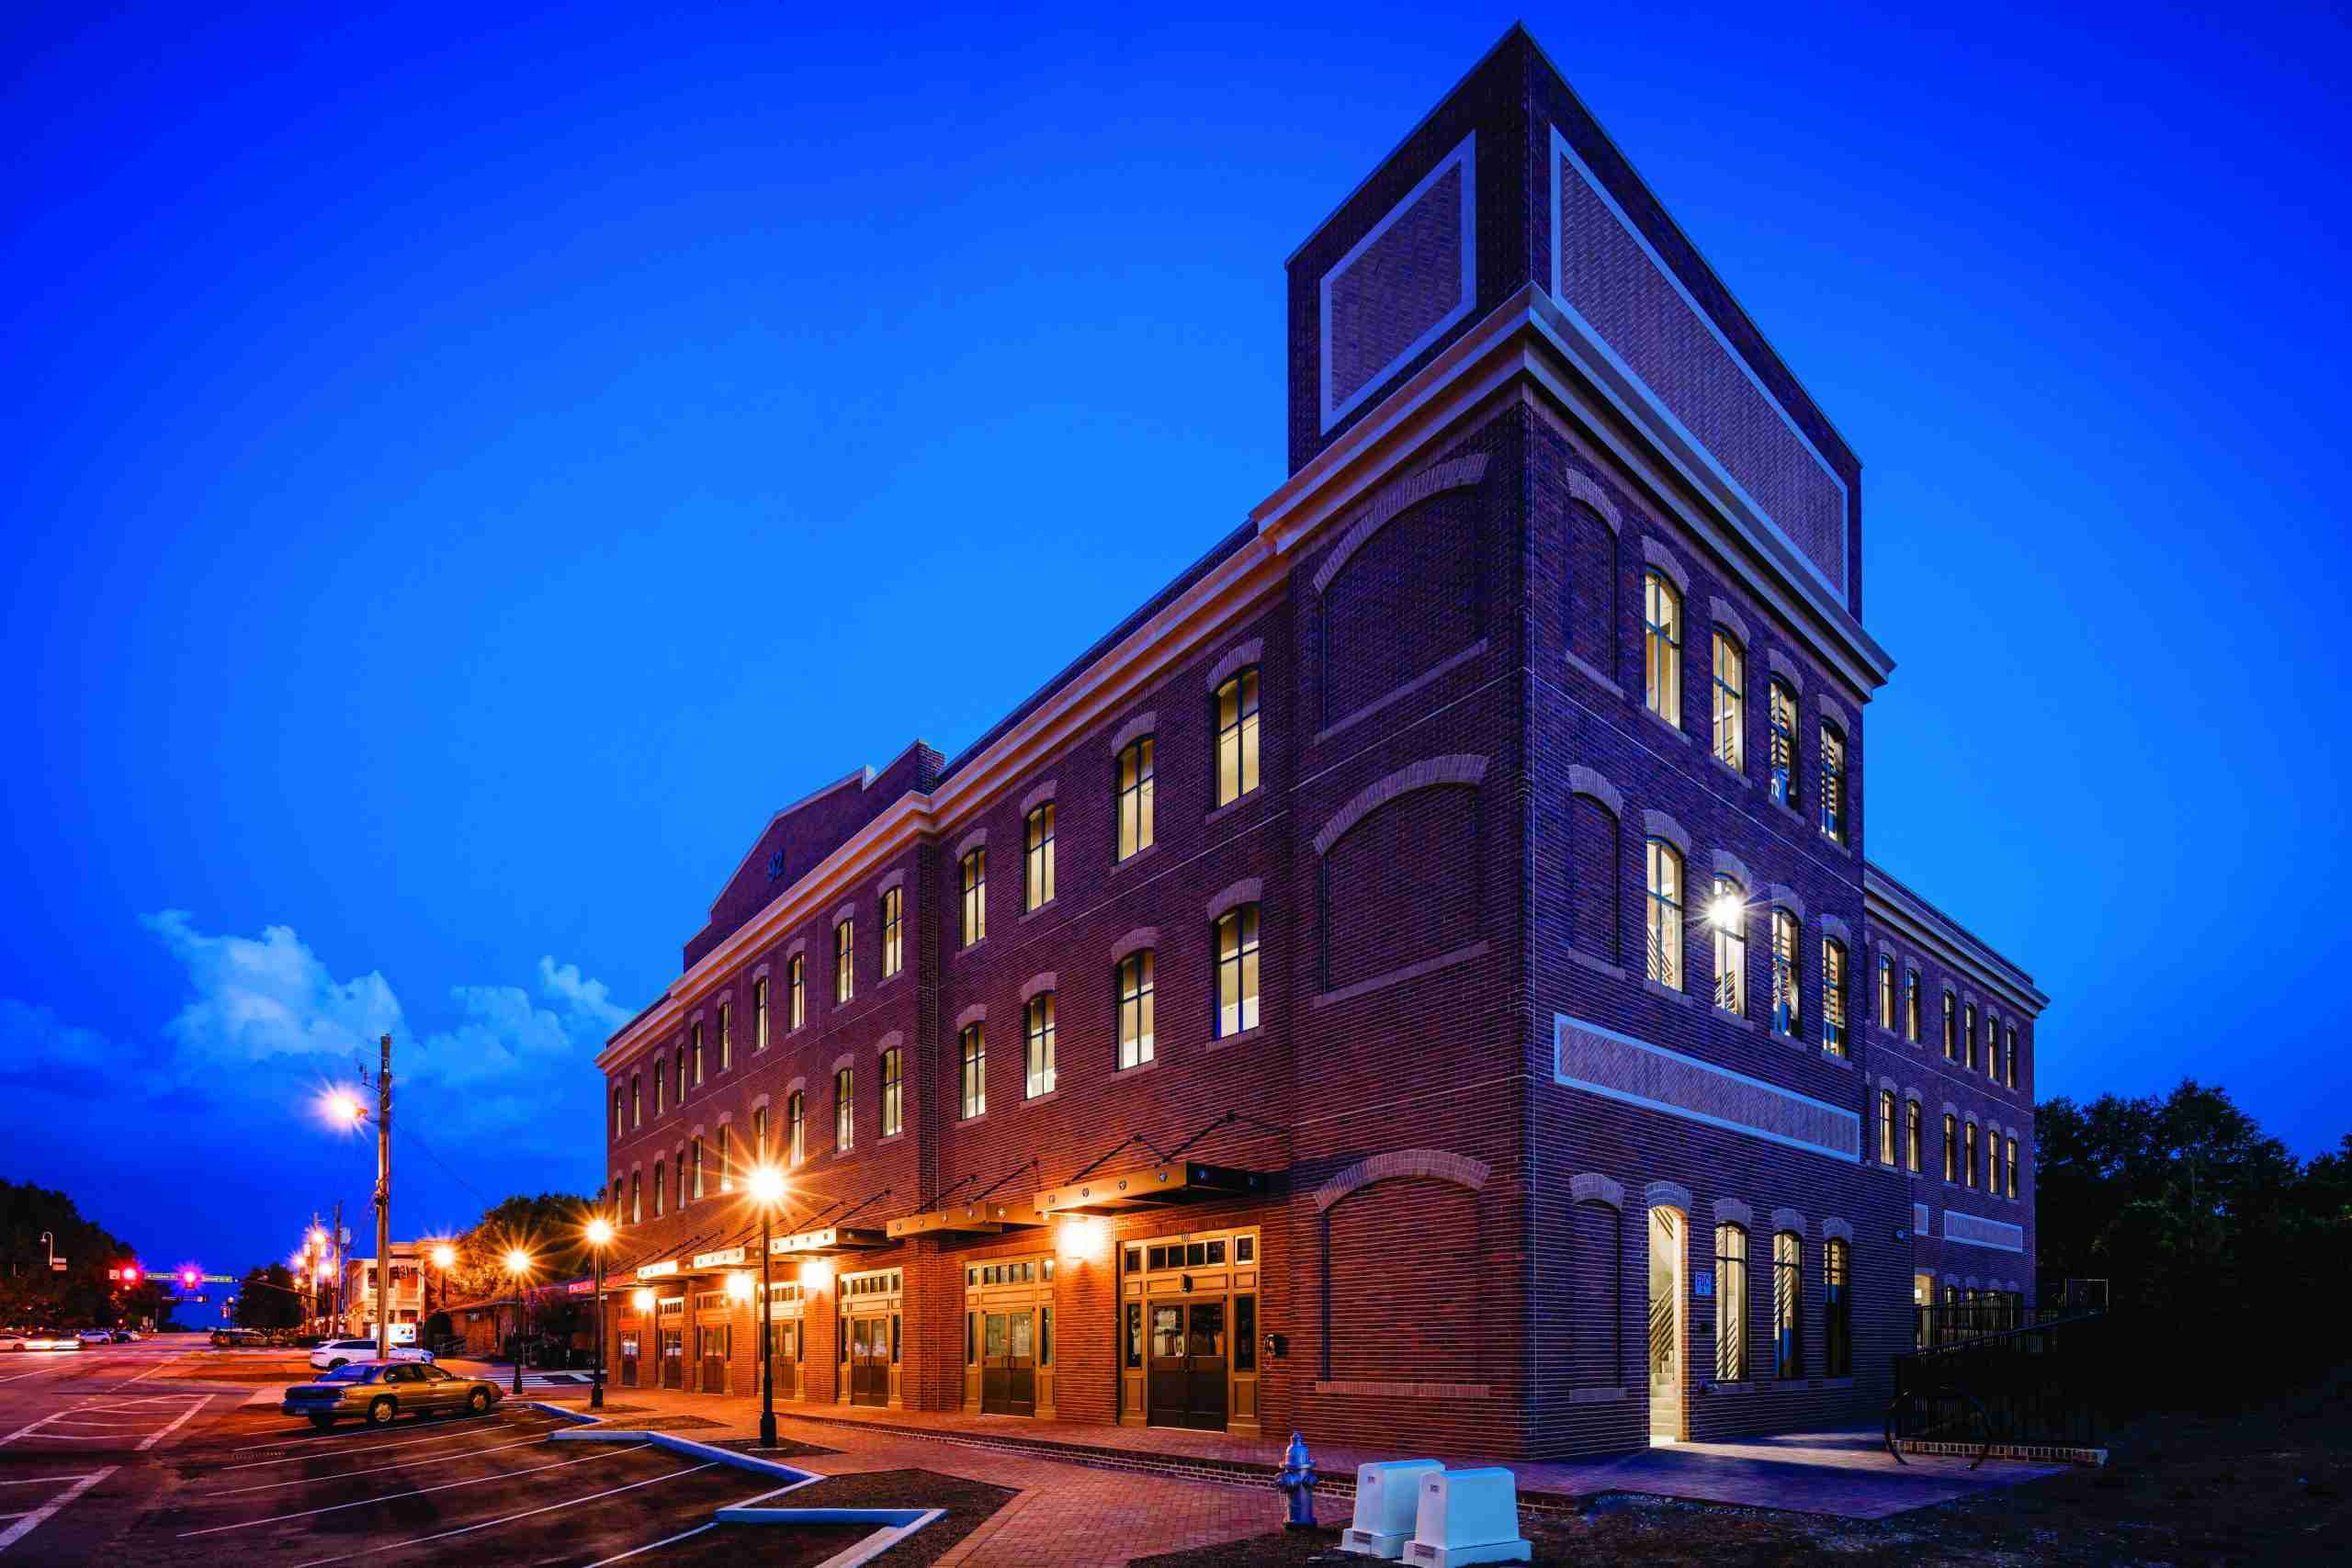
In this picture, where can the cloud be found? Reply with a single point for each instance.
(260, 999)
(38, 1046)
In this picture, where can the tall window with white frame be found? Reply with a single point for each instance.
(894, 938)
(1665, 913)
(1731, 704)
(1730, 1303)
(1788, 1304)
(1037, 1055)
(1133, 789)
(795, 1127)
(844, 1109)
(894, 1093)
(1788, 977)
(1037, 857)
(1728, 917)
(1236, 737)
(1833, 783)
(1236, 971)
(1833, 998)
(972, 1052)
(972, 887)
(760, 1013)
(1134, 988)
(1781, 717)
(1662, 648)
(796, 985)
(845, 960)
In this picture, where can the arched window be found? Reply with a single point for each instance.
(973, 1060)
(1951, 1147)
(1731, 704)
(1913, 1137)
(660, 1187)
(726, 1035)
(760, 1133)
(1968, 1154)
(1833, 997)
(894, 930)
(620, 1111)
(727, 1159)
(845, 960)
(1911, 1006)
(1666, 913)
(972, 888)
(795, 971)
(1886, 993)
(1730, 1303)
(2011, 1079)
(795, 1127)
(1037, 1045)
(1236, 737)
(636, 1099)
(1833, 783)
(1781, 704)
(661, 1085)
(1134, 987)
(697, 1187)
(844, 1108)
(1727, 917)
(1662, 648)
(694, 1032)
(1968, 1032)
(1133, 791)
(1886, 1126)
(1788, 1304)
(893, 1094)
(1788, 979)
(2013, 1167)
(1236, 971)
(1992, 1047)
(1037, 857)
(1951, 1028)
(760, 1013)
(637, 1197)
(1837, 1309)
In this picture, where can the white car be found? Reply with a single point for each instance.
(342, 1352)
(38, 1340)
(95, 1337)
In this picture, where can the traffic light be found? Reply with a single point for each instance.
(131, 1273)
(187, 1279)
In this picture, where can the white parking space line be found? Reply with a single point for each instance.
(373, 1469)
(42, 1480)
(307, 1455)
(527, 1512)
(178, 1422)
(419, 1491)
(27, 1523)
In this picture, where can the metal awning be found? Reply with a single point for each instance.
(829, 1242)
(1151, 1186)
(967, 1219)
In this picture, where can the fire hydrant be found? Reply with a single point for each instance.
(1297, 1481)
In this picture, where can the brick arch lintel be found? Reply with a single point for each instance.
(1591, 1187)
(1585, 781)
(1429, 773)
(1460, 1170)
(1384, 508)
(1667, 1195)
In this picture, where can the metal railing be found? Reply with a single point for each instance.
(2051, 1383)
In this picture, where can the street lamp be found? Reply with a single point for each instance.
(445, 1257)
(518, 1263)
(600, 1236)
(766, 1188)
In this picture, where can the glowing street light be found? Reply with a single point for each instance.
(1723, 911)
(766, 1189)
(599, 1236)
(518, 1263)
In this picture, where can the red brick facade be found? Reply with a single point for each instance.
(1462, 1094)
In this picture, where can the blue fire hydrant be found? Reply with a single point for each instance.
(1297, 1481)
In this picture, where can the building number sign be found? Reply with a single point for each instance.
(775, 864)
(1703, 1283)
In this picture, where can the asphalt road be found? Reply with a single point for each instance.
(148, 1453)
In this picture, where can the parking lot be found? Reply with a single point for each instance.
(271, 1493)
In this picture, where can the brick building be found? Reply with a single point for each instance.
(1417, 978)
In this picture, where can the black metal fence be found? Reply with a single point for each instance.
(2053, 1382)
(1950, 1322)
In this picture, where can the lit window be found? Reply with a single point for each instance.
(1037, 1027)
(726, 1035)
(1662, 648)
(1952, 1027)
(795, 1127)
(1968, 1032)
(2013, 1167)
(1833, 997)
(1912, 1139)
(697, 1182)
(661, 1087)
(1951, 1147)
(972, 880)
(1730, 1303)
(1666, 914)
(1968, 1154)
(1236, 737)
(1788, 1304)
(1911, 1006)
(845, 960)
(2011, 1077)
(1992, 1047)
(760, 1013)
(637, 1197)
(1236, 970)
(660, 1187)
(975, 1062)
(1731, 704)
(1134, 992)
(1886, 1126)
(796, 986)
(1837, 1309)
(1788, 981)
(694, 1034)
(1886, 993)
(894, 946)
(1037, 857)
(620, 1112)
(1135, 797)
(1780, 706)
(727, 1159)
(844, 1108)
(893, 1094)
(637, 1097)
(1727, 916)
(760, 1133)
(1833, 783)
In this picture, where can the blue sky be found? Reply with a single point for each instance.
(463, 476)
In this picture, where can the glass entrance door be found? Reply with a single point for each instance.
(674, 1357)
(1666, 1325)
(869, 1360)
(1188, 1355)
(1008, 1363)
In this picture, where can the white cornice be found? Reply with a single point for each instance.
(1888, 904)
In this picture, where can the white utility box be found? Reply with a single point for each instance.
(1388, 1500)
(1467, 1515)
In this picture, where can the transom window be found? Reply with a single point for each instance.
(845, 960)
(1134, 992)
(1833, 997)
(1662, 648)
(1037, 1045)
(973, 1053)
(846, 1107)
(972, 883)
(1236, 737)
(1236, 970)
(1780, 715)
(894, 943)
(1731, 704)
(1787, 978)
(1833, 783)
(1037, 857)
(1727, 913)
(1665, 913)
(893, 1094)
(1134, 791)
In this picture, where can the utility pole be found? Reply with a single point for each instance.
(334, 1247)
(384, 1204)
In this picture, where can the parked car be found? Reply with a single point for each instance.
(343, 1352)
(379, 1391)
(229, 1338)
(96, 1336)
(38, 1339)
(126, 1336)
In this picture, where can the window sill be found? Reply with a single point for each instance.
(1726, 1388)
(1144, 853)
(897, 1138)
(887, 981)
(1029, 1099)
(1784, 808)
(1249, 1036)
(1598, 966)
(971, 947)
(1837, 1058)
(1668, 725)
(1399, 694)
(1730, 769)
(1843, 846)
(1143, 1067)
(1737, 1020)
(1397, 976)
(1594, 675)
(1836, 1383)
(975, 1116)
(1044, 909)
(1234, 804)
(1660, 988)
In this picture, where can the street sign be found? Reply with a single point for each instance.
(57, 1265)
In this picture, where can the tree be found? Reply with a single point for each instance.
(547, 1226)
(31, 1291)
(267, 1298)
